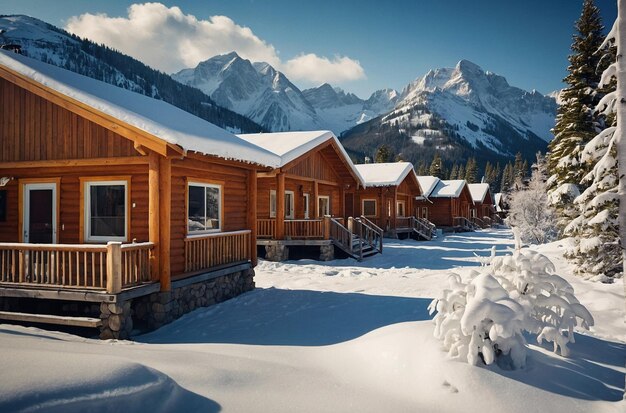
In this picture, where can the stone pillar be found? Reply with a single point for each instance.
(276, 252)
(327, 252)
(117, 322)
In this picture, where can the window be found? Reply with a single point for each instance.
(400, 208)
(323, 205)
(204, 208)
(289, 208)
(272, 204)
(106, 212)
(3, 205)
(306, 206)
(369, 207)
(425, 212)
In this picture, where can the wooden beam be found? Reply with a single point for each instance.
(165, 212)
(153, 213)
(270, 174)
(252, 206)
(123, 160)
(143, 151)
(280, 206)
(217, 160)
(309, 179)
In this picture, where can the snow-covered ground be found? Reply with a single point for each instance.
(336, 336)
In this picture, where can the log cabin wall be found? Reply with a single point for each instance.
(69, 215)
(35, 129)
(235, 197)
(439, 210)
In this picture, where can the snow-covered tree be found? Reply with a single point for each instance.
(436, 167)
(530, 210)
(597, 248)
(483, 320)
(575, 120)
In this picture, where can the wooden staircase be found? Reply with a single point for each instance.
(361, 239)
(464, 224)
(423, 228)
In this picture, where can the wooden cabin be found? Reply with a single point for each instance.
(483, 213)
(388, 199)
(314, 178)
(448, 203)
(113, 203)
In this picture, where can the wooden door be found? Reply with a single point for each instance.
(349, 204)
(39, 213)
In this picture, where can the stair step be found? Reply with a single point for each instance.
(51, 319)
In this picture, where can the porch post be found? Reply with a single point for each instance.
(394, 208)
(153, 213)
(252, 205)
(165, 212)
(316, 194)
(381, 210)
(280, 206)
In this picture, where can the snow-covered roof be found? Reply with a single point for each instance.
(448, 189)
(291, 145)
(427, 183)
(384, 174)
(156, 117)
(478, 191)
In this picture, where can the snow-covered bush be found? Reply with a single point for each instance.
(484, 319)
(531, 212)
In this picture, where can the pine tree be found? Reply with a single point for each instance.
(436, 167)
(461, 174)
(422, 169)
(383, 154)
(455, 171)
(471, 171)
(596, 230)
(508, 178)
(575, 121)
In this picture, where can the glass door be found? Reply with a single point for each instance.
(39, 219)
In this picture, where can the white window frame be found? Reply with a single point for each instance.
(306, 201)
(290, 212)
(425, 212)
(87, 205)
(272, 210)
(327, 198)
(219, 208)
(375, 206)
(403, 203)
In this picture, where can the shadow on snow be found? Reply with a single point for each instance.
(593, 371)
(290, 317)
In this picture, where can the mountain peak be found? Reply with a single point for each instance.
(465, 66)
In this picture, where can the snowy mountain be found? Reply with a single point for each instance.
(256, 90)
(460, 112)
(265, 95)
(42, 41)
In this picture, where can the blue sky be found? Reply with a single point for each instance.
(527, 41)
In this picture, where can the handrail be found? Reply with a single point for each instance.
(373, 234)
(465, 222)
(342, 235)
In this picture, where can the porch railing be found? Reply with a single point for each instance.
(266, 227)
(403, 222)
(304, 228)
(221, 248)
(110, 267)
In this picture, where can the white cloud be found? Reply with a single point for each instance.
(312, 68)
(169, 40)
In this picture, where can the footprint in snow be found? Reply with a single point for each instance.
(450, 387)
(331, 273)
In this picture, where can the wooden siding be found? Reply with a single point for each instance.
(68, 228)
(34, 129)
(234, 209)
(315, 166)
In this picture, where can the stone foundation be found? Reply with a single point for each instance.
(276, 252)
(327, 252)
(158, 309)
(117, 321)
